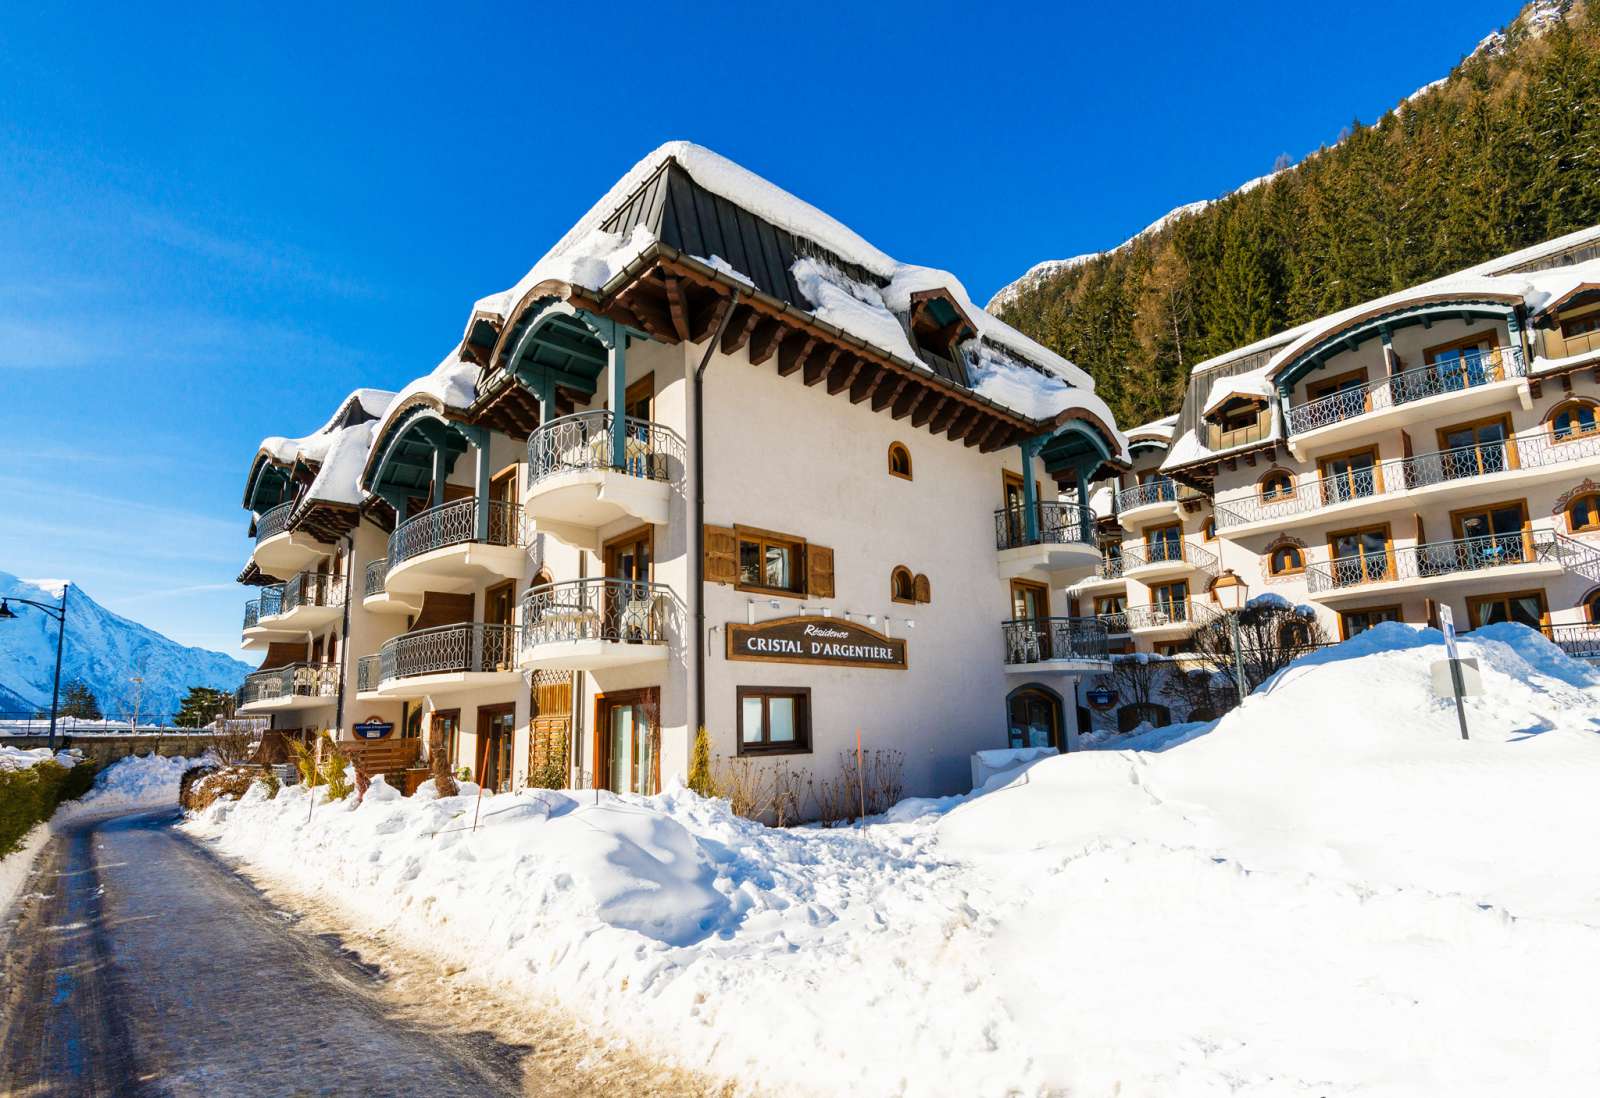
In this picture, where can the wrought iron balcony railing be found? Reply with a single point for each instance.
(583, 441)
(1161, 614)
(369, 672)
(273, 521)
(1456, 375)
(1037, 640)
(377, 572)
(596, 610)
(268, 604)
(1400, 475)
(1058, 524)
(1142, 554)
(1443, 558)
(1157, 490)
(294, 680)
(1578, 641)
(454, 523)
(448, 650)
(312, 589)
(1109, 568)
(1115, 621)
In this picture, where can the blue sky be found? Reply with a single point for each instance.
(215, 225)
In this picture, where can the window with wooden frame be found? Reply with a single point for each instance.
(774, 720)
(1354, 474)
(1030, 600)
(899, 461)
(902, 585)
(1208, 528)
(1582, 325)
(1477, 447)
(444, 728)
(639, 399)
(1471, 360)
(1361, 556)
(1591, 607)
(1164, 543)
(1583, 513)
(1286, 560)
(1338, 383)
(768, 562)
(1496, 532)
(1172, 598)
(1110, 604)
(1573, 419)
(1523, 607)
(1352, 622)
(1276, 486)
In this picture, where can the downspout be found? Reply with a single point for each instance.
(697, 587)
(344, 631)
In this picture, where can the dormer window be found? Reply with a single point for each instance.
(938, 325)
(1239, 419)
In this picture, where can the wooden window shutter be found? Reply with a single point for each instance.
(819, 572)
(722, 555)
(923, 591)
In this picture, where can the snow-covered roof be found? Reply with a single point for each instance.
(872, 309)
(313, 448)
(451, 385)
(1156, 430)
(1252, 386)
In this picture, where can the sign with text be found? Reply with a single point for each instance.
(373, 729)
(815, 640)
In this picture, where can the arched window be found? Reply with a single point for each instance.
(899, 461)
(902, 585)
(1591, 607)
(1276, 486)
(923, 589)
(1574, 419)
(1583, 513)
(1286, 560)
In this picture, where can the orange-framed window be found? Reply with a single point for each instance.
(1572, 419)
(1276, 486)
(1286, 560)
(1583, 513)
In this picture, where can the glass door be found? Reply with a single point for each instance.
(1350, 476)
(1494, 535)
(1016, 509)
(1164, 543)
(496, 735)
(1527, 608)
(1360, 556)
(628, 610)
(1034, 718)
(629, 743)
(1171, 601)
(1476, 448)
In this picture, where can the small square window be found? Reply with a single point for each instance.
(774, 720)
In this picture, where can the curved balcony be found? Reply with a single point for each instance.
(1148, 561)
(1039, 645)
(1581, 642)
(1471, 381)
(292, 686)
(259, 615)
(1062, 542)
(310, 600)
(454, 546)
(1399, 482)
(376, 596)
(1168, 620)
(1439, 563)
(446, 658)
(1155, 498)
(577, 485)
(589, 624)
(1108, 573)
(280, 552)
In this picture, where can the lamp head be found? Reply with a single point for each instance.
(6, 613)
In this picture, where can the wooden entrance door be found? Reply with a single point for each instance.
(550, 731)
(627, 741)
(496, 736)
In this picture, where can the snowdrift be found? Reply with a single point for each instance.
(1325, 893)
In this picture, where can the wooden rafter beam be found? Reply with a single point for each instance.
(765, 339)
(652, 316)
(1000, 441)
(909, 400)
(866, 382)
(677, 307)
(964, 423)
(737, 334)
(792, 354)
(842, 375)
(981, 434)
(818, 365)
(708, 317)
(927, 410)
(886, 394)
(944, 416)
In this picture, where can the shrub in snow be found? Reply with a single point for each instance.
(700, 779)
(201, 786)
(1272, 634)
(30, 794)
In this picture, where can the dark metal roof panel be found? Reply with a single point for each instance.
(1194, 397)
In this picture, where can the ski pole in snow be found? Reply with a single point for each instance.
(861, 775)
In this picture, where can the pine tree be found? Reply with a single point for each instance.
(77, 700)
(200, 706)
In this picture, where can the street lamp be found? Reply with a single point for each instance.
(1233, 594)
(60, 614)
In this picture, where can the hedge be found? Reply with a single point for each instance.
(30, 796)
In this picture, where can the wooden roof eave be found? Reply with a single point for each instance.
(416, 400)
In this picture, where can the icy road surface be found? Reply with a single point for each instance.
(144, 966)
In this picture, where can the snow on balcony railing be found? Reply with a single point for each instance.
(582, 441)
(1162, 614)
(1038, 640)
(622, 611)
(377, 572)
(1058, 524)
(273, 522)
(1399, 475)
(1141, 554)
(295, 680)
(453, 523)
(448, 649)
(1452, 376)
(1443, 558)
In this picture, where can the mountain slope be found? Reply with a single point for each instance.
(103, 649)
(1499, 155)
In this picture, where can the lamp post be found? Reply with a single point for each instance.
(1234, 595)
(59, 613)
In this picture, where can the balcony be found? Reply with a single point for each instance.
(575, 485)
(1474, 381)
(279, 552)
(1397, 482)
(1529, 553)
(454, 546)
(1062, 543)
(446, 658)
(590, 624)
(1149, 561)
(1038, 645)
(376, 596)
(1108, 573)
(1115, 621)
(293, 686)
(1168, 620)
(1581, 642)
(1157, 498)
(258, 615)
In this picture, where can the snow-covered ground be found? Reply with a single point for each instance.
(25, 758)
(1326, 893)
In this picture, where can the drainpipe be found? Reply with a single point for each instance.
(697, 479)
(344, 630)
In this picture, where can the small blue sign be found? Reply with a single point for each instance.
(1100, 697)
(374, 729)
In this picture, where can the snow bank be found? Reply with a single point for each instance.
(1326, 892)
(135, 782)
(18, 758)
